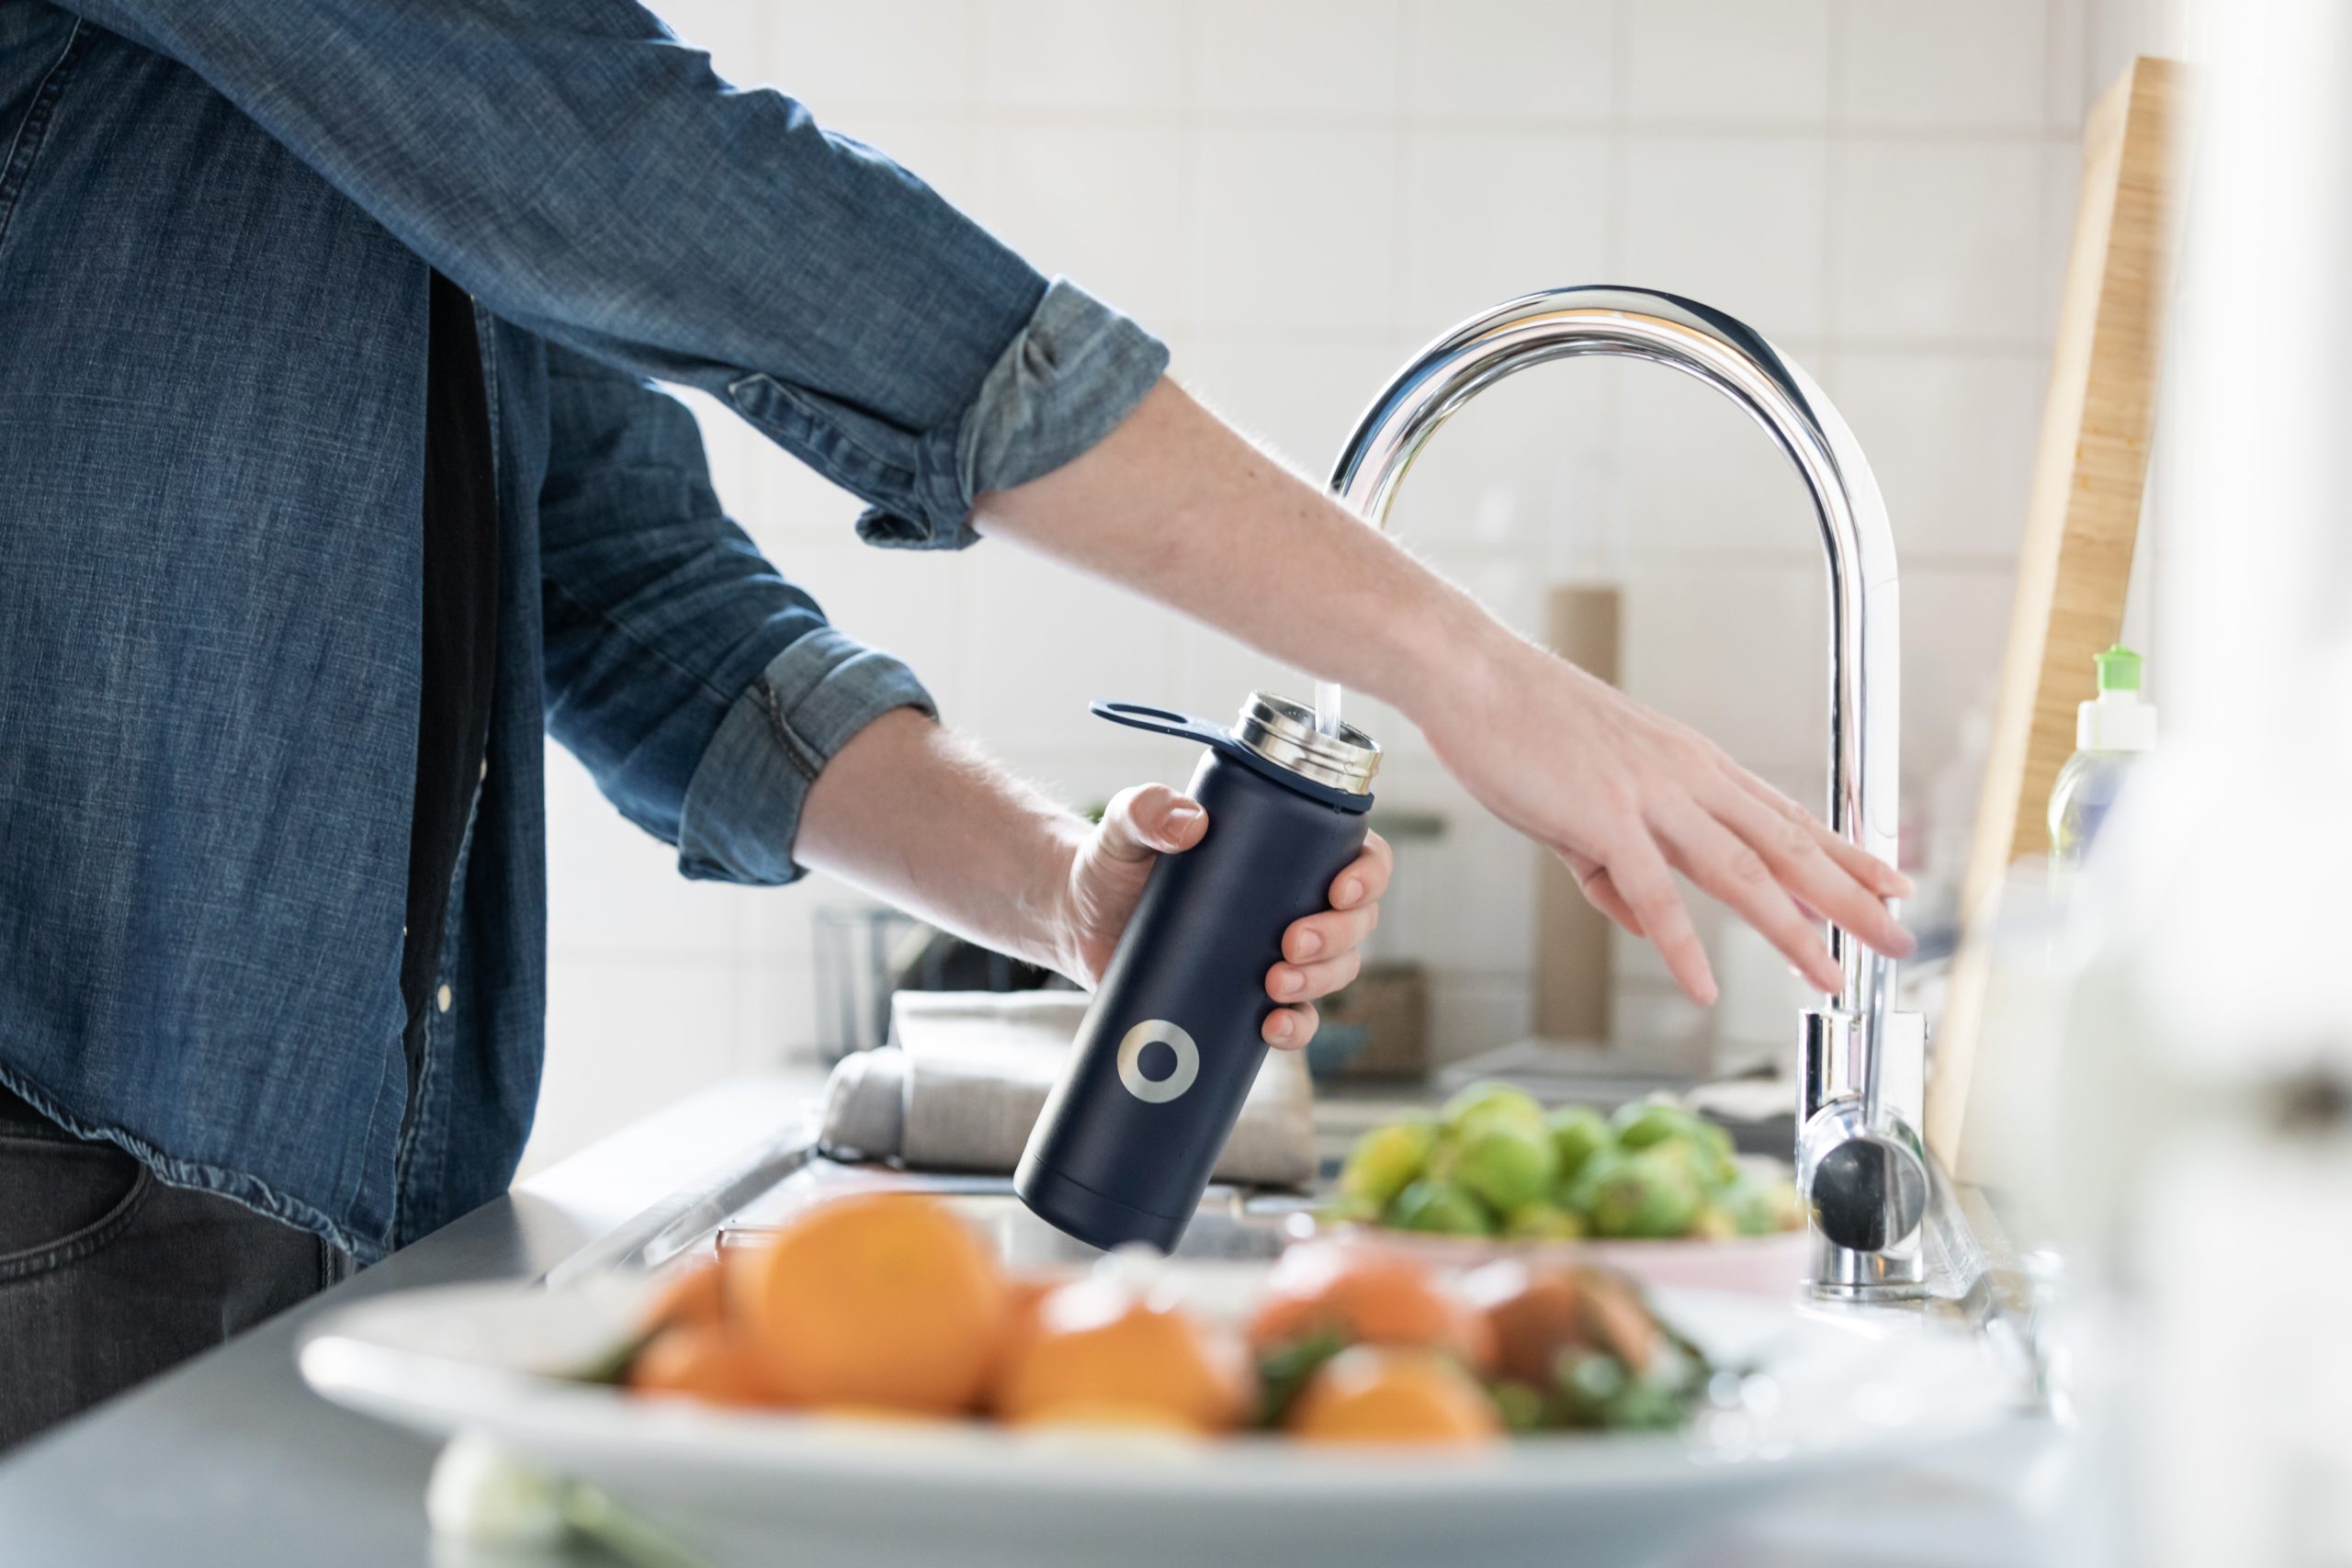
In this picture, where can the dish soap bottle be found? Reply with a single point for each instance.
(2111, 732)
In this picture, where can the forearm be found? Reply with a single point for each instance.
(1177, 504)
(913, 814)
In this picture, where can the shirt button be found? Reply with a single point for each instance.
(442, 999)
(485, 768)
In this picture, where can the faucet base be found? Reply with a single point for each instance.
(1864, 1176)
(1842, 1274)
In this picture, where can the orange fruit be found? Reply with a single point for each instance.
(1372, 1393)
(691, 1296)
(1110, 1414)
(1538, 1312)
(1619, 1320)
(875, 1298)
(1024, 1294)
(875, 1413)
(1368, 1295)
(1535, 1313)
(1100, 1343)
(705, 1361)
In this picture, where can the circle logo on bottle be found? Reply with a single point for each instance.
(1158, 1031)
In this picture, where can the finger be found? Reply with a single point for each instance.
(1601, 893)
(1818, 883)
(1711, 856)
(1859, 862)
(1332, 931)
(1287, 1029)
(1366, 876)
(1147, 819)
(1640, 873)
(1304, 982)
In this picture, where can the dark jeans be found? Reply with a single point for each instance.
(109, 1277)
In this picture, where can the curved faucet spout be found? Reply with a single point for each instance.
(1859, 1163)
(1865, 670)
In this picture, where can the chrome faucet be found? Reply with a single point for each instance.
(1861, 1167)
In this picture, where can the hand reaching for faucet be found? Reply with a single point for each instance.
(1179, 506)
(1624, 795)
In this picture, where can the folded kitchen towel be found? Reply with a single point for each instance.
(967, 1073)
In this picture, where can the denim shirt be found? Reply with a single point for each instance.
(216, 227)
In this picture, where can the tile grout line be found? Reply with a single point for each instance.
(1833, 182)
(1615, 522)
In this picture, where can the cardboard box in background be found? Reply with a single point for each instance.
(1572, 937)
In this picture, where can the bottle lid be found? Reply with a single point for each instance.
(1283, 732)
(2116, 720)
(2119, 670)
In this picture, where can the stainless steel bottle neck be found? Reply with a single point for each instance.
(1283, 733)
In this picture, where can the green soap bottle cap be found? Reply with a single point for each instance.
(2119, 670)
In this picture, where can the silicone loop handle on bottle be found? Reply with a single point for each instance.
(1160, 721)
(1218, 739)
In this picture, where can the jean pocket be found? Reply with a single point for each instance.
(61, 1201)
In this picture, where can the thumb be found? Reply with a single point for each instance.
(1149, 820)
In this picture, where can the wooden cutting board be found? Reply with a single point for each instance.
(2082, 521)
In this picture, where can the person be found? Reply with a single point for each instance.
(333, 471)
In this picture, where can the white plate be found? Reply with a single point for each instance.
(1847, 1394)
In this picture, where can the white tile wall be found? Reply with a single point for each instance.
(1697, 480)
(906, 55)
(1950, 496)
(1056, 54)
(1311, 60)
(1293, 228)
(1487, 60)
(1478, 204)
(1748, 63)
(1937, 240)
(1129, 232)
(1298, 192)
(1737, 221)
(1979, 65)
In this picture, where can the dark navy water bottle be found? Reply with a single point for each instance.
(1167, 1052)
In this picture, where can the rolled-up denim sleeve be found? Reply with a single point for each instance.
(742, 806)
(584, 175)
(703, 691)
(1073, 372)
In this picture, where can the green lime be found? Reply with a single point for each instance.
(1384, 1159)
(1543, 1221)
(1578, 1193)
(1578, 1133)
(1439, 1207)
(1719, 1163)
(1713, 1223)
(1502, 1160)
(1655, 1192)
(1647, 1124)
(1750, 1202)
(1640, 1122)
(1480, 1099)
